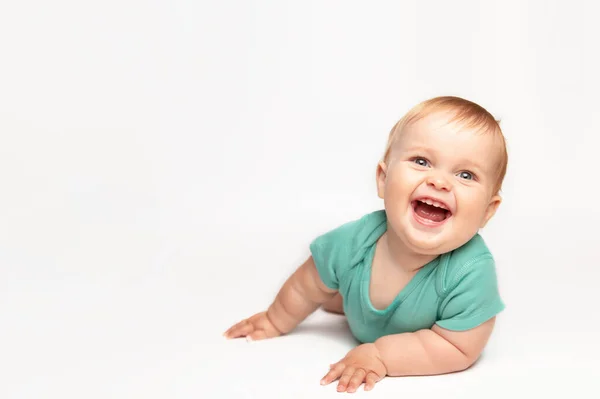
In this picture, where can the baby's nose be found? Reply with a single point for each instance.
(438, 182)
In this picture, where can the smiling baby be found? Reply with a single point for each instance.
(415, 280)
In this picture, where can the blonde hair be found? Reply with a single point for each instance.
(466, 113)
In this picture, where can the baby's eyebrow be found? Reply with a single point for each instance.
(418, 149)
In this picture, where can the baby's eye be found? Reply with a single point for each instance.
(421, 162)
(466, 175)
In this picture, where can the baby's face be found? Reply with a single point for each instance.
(438, 184)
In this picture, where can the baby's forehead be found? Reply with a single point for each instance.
(444, 126)
(443, 132)
(449, 121)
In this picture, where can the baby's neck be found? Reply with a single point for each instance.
(402, 257)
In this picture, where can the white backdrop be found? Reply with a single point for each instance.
(165, 164)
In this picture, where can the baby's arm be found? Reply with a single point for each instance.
(424, 352)
(300, 295)
(434, 351)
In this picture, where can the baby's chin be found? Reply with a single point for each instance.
(433, 246)
(437, 244)
(427, 243)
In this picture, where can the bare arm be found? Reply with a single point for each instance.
(300, 295)
(434, 351)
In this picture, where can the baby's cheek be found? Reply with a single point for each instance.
(476, 216)
(472, 208)
(397, 194)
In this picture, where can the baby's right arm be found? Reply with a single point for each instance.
(300, 295)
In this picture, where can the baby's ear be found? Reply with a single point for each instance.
(380, 178)
(491, 209)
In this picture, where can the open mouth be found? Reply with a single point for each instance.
(430, 212)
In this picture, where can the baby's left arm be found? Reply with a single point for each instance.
(434, 351)
(424, 352)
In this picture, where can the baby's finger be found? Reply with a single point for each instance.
(232, 328)
(333, 374)
(241, 329)
(370, 381)
(257, 335)
(356, 380)
(345, 378)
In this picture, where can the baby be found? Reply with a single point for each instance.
(415, 280)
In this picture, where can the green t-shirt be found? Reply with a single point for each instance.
(458, 290)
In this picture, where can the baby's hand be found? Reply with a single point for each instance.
(256, 327)
(361, 364)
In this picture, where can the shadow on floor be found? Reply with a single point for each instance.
(333, 327)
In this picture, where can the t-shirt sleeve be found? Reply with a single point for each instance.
(332, 252)
(472, 296)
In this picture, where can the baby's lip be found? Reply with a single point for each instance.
(435, 201)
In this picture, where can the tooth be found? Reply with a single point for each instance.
(438, 205)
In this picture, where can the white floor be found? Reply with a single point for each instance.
(155, 331)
